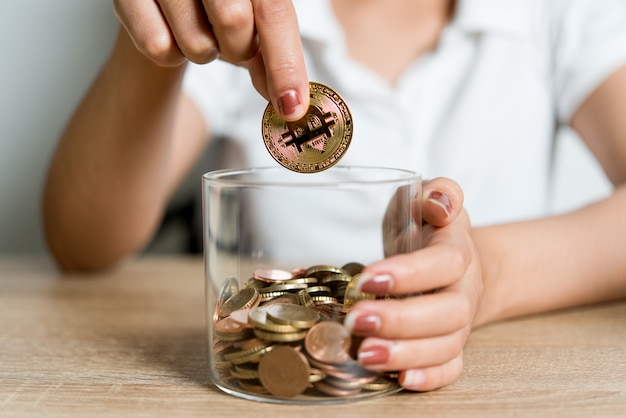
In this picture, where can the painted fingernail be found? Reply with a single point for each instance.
(375, 354)
(362, 324)
(441, 200)
(376, 284)
(289, 103)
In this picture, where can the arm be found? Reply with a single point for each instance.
(487, 274)
(118, 160)
(134, 135)
(575, 258)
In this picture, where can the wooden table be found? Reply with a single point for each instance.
(131, 342)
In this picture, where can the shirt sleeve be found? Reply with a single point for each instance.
(589, 45)
(215, 88)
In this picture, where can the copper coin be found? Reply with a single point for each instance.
(272, 275)
(328, 342)
(284, 372)
(318, 140)
(228, 330)
(298, 272)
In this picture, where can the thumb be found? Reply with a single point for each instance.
(442, 201)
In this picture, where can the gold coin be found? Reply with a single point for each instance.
(318, 290)
(282, 288)
(381, 384)
(246, 298)
(318, 140)
(294, 315)
(259, 349)
(246, 373)
(352, 295)
(279, 337)
(258, 318)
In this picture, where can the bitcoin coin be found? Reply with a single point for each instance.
(318, 140)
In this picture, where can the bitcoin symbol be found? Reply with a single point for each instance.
(315, 142)
(313, 131)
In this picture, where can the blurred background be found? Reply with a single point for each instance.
(50, 52)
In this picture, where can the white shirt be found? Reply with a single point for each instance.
(483, 108)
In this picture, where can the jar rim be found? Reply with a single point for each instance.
(334, 176)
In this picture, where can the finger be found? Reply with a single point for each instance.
(421, 316)
(279, 39)
(256, 67)
(233, 26)
(440, 263)
(442, 201)
(431, 378)
(383, 355)
(149, 31)
(191, 30)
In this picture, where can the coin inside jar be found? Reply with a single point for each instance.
(269, 312)
(295, 315)
(284, 372)
(244, 299)
(329, 342)
(317, 141)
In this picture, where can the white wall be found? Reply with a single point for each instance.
(49, 53)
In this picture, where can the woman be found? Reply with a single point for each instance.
(472, 90)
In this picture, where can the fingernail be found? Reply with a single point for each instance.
(376, 354)
(363, 324)
(376, 284)
(441, 200)
(412, 378)
(289, 103)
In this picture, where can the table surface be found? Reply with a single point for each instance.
(131, 341)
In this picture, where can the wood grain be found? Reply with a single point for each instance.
(131, 342)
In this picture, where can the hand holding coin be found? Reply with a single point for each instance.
(318, 140)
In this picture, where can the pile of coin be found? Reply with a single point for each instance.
(317, 141)
(282, 335)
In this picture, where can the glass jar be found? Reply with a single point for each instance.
(283, 251)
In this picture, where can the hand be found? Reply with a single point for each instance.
(260, 35)
(423, 336)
